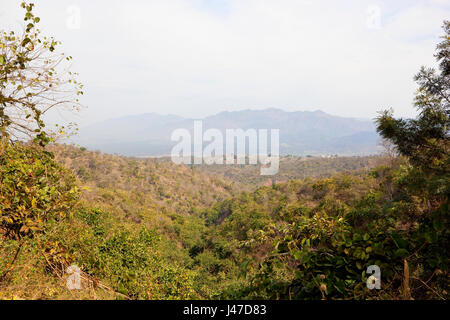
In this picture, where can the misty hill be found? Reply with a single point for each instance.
(301, 132)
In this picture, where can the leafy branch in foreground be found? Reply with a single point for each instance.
(34, 79)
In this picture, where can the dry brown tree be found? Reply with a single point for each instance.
(34, 78)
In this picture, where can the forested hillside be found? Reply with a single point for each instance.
(145, 209)
(159, 186)
(293, 167)
(150, 229)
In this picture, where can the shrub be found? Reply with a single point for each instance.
(33, 189)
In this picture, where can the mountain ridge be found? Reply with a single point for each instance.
(301, 132)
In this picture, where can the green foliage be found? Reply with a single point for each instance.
(322, 236)
(148, 229)
(286, 241)
(326, 251)
(33, 190)
(400, 221)
(133, 261)
(425, 140)
(426, 143)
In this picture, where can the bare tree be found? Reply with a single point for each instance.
(34, 79)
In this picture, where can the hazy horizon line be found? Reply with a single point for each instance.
(226, 111)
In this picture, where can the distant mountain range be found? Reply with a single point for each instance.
(301, 132)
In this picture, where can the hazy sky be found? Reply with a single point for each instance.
(198, 57)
